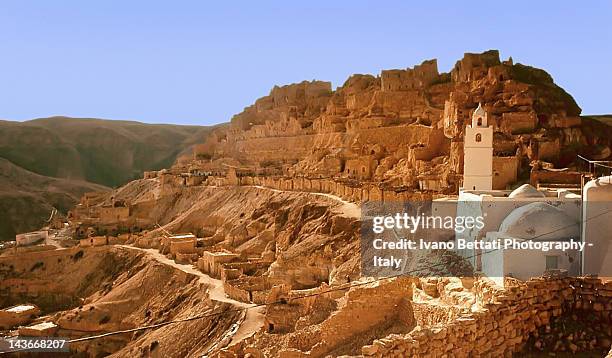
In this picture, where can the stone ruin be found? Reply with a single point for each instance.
(310, 315)
(530, 317)
(403, 129)
(437, 317)
(393, 137)
(100, 215)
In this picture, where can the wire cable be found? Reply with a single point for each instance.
(339, 288)
(287, 300)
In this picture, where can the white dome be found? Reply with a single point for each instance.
(526, 191)
(540, 221)
(479, 117)
(599, 189)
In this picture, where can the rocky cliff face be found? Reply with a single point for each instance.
(403, 128)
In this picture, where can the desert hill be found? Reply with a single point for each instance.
(404, 128)
(273, 203)
(27, 199)
(105, 152)
(51, 162)
(602, 118)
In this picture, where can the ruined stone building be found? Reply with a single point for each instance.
(405, 129)
(259, 230)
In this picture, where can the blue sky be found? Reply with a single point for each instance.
(198, 62)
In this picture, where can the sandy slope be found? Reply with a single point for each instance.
(254, 318)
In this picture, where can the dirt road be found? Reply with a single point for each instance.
(254, 318)
(348, 209)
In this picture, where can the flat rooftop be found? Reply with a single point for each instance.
(548, 192)
(219, 253)
(20, 308)
(42, 326)
(182, 236)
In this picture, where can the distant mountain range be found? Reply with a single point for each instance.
(27, 199)
(100, 151)
(50, 162)
(603, 118)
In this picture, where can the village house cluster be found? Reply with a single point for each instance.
(490, 139)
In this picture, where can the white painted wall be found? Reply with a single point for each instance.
(478, 159)
(597, 227)
(30, 237)
(494, 209)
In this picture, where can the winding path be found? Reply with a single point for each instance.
(254, 318)
(254, 315)
(348, 208)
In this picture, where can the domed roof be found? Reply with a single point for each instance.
(540, 221)
(598, 182)
(599, 189)
(526, 191)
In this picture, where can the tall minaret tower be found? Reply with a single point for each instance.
(478, 153)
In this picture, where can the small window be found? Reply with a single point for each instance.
(552, 262)
(479, 122)
(478, 138)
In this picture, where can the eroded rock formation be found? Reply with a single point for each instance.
(403, 128)
(264, 215)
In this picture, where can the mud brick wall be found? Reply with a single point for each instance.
(236, 293)
(357, 194)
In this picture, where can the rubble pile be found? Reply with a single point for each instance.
(578, 332)
(506, 322)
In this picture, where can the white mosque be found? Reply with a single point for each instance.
(527, 213)
(478, 152)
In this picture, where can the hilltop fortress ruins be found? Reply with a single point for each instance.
(404, 129)
(259, 227)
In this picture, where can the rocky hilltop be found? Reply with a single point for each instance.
(404, 128)
(252, 245)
